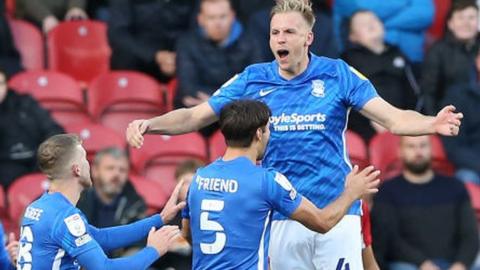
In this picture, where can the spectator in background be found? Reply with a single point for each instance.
(449, 60)
(143, 34)
(213, 53)
(422, 220)
(48, 13)
(405, 21)
(180, 255)
(24, 124)
(9, 57)
(383, 64)
(464, 150)
(113, 200)
(324, 43)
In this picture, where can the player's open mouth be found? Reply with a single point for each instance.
(282, 53)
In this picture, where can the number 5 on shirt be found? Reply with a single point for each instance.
(210, 225)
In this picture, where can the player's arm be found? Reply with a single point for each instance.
(157, 245)
(186, 233)
(407, 122)
(122, 236)
(179, 121)
(358, 184)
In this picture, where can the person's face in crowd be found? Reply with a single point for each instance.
(290, 37)
(464, 24)
(3, 87)
(110, 175)
(366, 28)
(416, 153)
(187, 180)
(82, 166)
(263, 138)
(216, 18)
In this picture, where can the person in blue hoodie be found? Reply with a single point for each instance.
(405, 21)
(212, 53)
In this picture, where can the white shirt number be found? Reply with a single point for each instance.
(210, 225)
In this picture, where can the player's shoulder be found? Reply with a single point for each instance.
(330, 66)
(277, 177)
(260, 71)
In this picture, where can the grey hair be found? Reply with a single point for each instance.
(114, 152)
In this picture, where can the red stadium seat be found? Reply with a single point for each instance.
(57, 92)
(357, 150)
(437, 28)
(159, 156)
(3, 204)
(79, 48)
(29, 43)
(117, 98)
(10, 7)
(474, 192)
(96, 137)
(152, 193)
(23, 191)
(216, 145)
(384, 154)
(171, 92)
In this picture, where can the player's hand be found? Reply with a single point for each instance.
(172, 206)
(135, 131)
(163, 239)
(359, 184)
(12, 248)
(428, 265)
(447, 122)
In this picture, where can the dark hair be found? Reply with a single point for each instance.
(460, 5)
(188, 166)
(240, 119)
(54, 153)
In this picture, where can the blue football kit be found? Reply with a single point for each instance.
(308, 122)
(56, 235)
(230, 206)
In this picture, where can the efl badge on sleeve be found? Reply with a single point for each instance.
(75, 225)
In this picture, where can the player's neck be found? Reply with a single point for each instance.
(67, 188)
(233, 152)
(296, 70)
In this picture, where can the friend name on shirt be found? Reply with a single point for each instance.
(217, 184)
(33, 213)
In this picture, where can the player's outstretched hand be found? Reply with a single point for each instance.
(163, 239)
(12, 248)
(447, 122)
(173, 205)
(362, 183)
(135, 131)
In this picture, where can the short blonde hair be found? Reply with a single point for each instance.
(304, 7)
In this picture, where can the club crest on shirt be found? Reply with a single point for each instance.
(75, 225)
(318, 88)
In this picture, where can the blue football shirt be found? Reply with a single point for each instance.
(53, 233)
(230, 206)
(308, 123)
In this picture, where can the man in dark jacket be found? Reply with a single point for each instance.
(464, 150)
(422, 220)
(24, 125)
(113, 200)
(383, 64)
(143, 33)
(213, 53)
(449, 60)
(9, 57)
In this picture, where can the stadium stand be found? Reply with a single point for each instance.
(152, 192)
(29, 43)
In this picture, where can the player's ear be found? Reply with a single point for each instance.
(76, 170)
(259, 134)
(309, 38)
